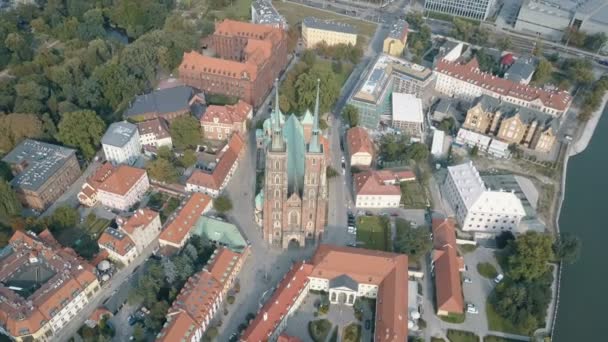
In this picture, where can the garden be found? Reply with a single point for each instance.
(374, 232)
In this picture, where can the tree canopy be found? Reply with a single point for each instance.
(350, 114)
(185, 132)
(83, 130)
(531, 254)
(222, 204)
(162, 170)
(9, 204)
(567, 248)
(412, 241)
(62, 218)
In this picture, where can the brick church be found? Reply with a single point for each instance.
(295, 186)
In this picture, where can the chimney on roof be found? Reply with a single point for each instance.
(265, 316)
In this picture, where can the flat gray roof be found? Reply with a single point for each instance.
(161, 101)
(119, 133)
(42, 161)
(328, 25)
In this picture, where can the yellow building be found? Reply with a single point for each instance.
(395, 43)
(315, 31)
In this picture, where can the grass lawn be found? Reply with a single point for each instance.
(374, 232)
(491, 338)
(169, 208)
(437, 339)
(453, 318)
(487, 270)
(413, 195)
(497, 323)
(319, 329)
(325, 65)
(294, 13)
(239, 9)
(352, 333)
(462, 336)
(467, 248)
(94, 225)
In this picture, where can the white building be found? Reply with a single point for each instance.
(473, 139)
(437, 145)
(380, 189)
(143, 227)
(125, 187)
(474, 9)
(154, 133)
(408, 116)
(478, 208)
(121, 143)
(119, 246)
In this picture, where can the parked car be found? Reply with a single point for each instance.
(468, 280)
(472, 309)
(368, 324)
(499, 278)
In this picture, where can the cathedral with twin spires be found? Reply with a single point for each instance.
(295, 182)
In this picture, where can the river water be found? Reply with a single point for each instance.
(584, 287)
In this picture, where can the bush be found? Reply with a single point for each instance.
(352, 333)
(230, 300)
(319, 330)
(487, 270)
(453, 318)
(462, 336)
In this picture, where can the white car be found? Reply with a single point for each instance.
(499, 278)
(468, 280)
(472, 309)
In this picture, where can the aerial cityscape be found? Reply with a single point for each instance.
(302, 170)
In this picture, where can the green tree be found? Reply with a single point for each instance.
(579, 70)
(415, 19)
(350, 114)
(447, 125)
(309, 57)
(567, 248)
(185, 132)
(162, 170)
(63, 217)
(83, 130)
(414, 242)
(5, 171)
(154, 320)
(595, 41)
(165, 153)
(139, 334)
(306, 90)
(531, 253)
(504, 43)
(188, 159)
(222, 204)
(330, 172)
(139, 16)
(474, 151)
(16, 127)
(9, 204)
(418, 152)
(543, 72)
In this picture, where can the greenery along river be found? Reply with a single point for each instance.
(584, 286)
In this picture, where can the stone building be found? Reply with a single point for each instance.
(295, 187)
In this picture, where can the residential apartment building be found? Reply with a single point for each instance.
(201, 298)
(219, 122)
(251, 56)
(388, 75)
(264, 13)
(167, 104)
(407, 116)
(477, 208)
(315, 31)
(125, 187)
(177, 231)
(380, 189)
(483, 143)
(213, 182)
(473, 9)
(88, 193)
(155, 133)
(346, 274)
(62, 287)
(143, 227)
(467, 82)
(360, 147)
(120, 246)
(396, 41)
(42, 172)
(446, 268)
(121, 144)
(513, 124)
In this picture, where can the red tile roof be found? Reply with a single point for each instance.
(469, 72)
(179, 327)
(359, 141)
(228, 114)
(444, 233)
(179, 228)
(215, 179)
(223, 264)
(287, 338)
(122, 180)
(447, 267)
(116, 241)
(371, 183)
(156, 126)
(140, 220)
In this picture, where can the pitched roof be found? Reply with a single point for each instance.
(119, 133)
(179, 227)
(447, 281)
(509, 110)
(215, 179)
(225, 233)
(179, 327)
(469, 72)
(162, 101)
(359, 141)
(156, 126)
(327, 25)
(122, 180)
(116, 241)
(287, 338)
(371, 183)
(140, 220)
(223, 263)
(228, 114)
(444, 233)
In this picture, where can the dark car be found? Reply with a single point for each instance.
(367, 324)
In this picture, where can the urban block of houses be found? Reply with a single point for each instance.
(407, 115)
(396, 41)
(446, 267)
(251, 56)
(219, 122)
(315, 31)
(143, 227)
(380, 189)
(479, 209)
(360, 147)
(389, 74)
(176, 232)
(167, 104)
(43, 286)
(120, 246)
(123, 188)
(88, 193)
(512, 124)
(346, 274)
(213, 182)
(42, 172)
(154, 133)
(121, 144)
(201, 297)
(264, 13)
(466, 81)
